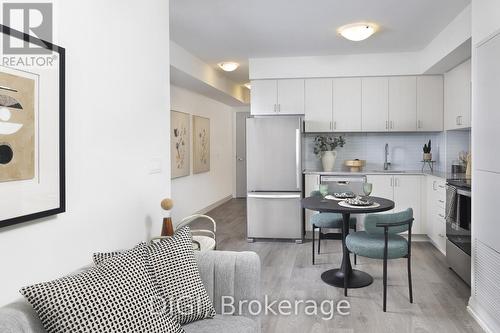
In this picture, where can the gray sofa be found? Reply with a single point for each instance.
(235, 274)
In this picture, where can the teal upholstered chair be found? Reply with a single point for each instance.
(381, 240)
(327, 221)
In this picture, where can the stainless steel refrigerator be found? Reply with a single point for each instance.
(274, 177)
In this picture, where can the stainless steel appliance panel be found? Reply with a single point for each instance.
(459, 261)
(339, 184)
(274, 154)
(274, 215)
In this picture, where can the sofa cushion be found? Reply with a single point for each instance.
(115, 296)
(176, 272)
(223, 324)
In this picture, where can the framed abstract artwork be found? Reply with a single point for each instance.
(32, 131)
(201, 144)
(179, 144)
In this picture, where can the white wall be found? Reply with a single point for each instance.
(198, 191)
(118, 119)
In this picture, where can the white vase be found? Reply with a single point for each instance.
(328, 160)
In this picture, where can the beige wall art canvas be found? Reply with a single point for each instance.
(201, 144)
(17, 127)
(179, 144)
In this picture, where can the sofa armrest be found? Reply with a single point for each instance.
(19, 317)
(235, 274)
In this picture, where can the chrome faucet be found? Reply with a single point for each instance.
(386, 164)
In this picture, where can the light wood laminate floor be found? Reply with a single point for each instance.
(440, 297)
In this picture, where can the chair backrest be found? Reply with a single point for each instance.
(315, 194)
(371, 221)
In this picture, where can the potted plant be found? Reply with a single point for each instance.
(324, 148)
(427, 152)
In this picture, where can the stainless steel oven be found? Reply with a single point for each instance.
(458, 227)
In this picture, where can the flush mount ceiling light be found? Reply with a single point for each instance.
(248, 85)
(229, 66)
(357, 31)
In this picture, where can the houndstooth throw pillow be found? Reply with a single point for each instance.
(176, 272)
(116, 296)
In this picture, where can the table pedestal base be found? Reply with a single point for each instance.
(357, 279)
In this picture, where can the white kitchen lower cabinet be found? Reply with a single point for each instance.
(405, 191)
(435, 211)
(311, 184)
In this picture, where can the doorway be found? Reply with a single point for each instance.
(241, 154)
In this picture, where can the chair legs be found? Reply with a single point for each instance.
(385, 283)
(319, 240)
(355, 256)
(409, 280)
(313, 227)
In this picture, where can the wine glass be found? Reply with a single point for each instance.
(367, 189)
(323, 189)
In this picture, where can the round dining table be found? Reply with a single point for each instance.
(345, 276)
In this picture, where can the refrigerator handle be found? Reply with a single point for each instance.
(297, 156)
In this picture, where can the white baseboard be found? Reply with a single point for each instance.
(215, 205)
(484, 320)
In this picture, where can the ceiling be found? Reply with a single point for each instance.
(236, 30)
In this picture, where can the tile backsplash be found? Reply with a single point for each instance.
(405, 149)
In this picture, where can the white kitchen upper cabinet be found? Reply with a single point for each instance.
(457, 97)
(347, 104)
(403, 103)
(291, 96)
(264, 97)
(430, 108)
(318, 105)
(375, 104)
(407, 194)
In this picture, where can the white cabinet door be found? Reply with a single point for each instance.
(430, 108)
(311, 184)
(318, 105)
(382, 186)
(457, 97)
(403, 103)
(375, 104)
(347, 104)
(264, 97)
(407, 194)
(291, 96)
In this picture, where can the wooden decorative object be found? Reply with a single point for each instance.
(355, 165)
(167, 228)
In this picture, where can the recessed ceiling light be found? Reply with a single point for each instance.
(357, 31)
(248, 85)
(229, 66)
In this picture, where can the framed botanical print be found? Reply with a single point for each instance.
(201, 144)
(32, 131)
(180, 149)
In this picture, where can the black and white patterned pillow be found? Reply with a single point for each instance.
(99, 257)
(117, 296)
(176, 272)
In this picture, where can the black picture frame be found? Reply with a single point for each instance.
(62, 132)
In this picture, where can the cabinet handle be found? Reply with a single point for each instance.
(434, 185)
(396, 182)
(441, 201)
(456, 120)
(441, 186)
(392, 124)
(275, 108)
(441, 235)
(334, 124)
(460, 120)
(392, 182)
(441, 216)
(279, 107)
(386, 124)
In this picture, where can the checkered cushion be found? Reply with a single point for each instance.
(117, 296)
(176, 271)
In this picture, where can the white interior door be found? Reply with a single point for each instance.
(241, 154)
(347, 104)
(375, 104)
(403, 103)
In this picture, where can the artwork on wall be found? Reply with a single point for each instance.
(17, 127)
(201, 144)
(179, 144)
(32, 166)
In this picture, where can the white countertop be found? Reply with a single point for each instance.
(439, 174)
